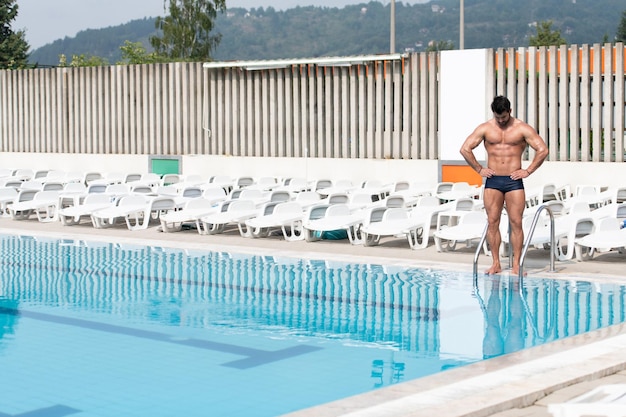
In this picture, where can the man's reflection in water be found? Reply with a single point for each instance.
(9, 315)
(515, 335)
(504, 330)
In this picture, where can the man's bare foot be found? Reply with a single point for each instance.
(495, 269)
(515, 271)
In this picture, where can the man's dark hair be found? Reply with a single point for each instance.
(500, 104)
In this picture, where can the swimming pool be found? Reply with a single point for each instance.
(96, 329)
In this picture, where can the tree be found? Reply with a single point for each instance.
(82, 60)
(135, 53)
(620, 36)
(546, 36)
(186, 32)
(435, 46)
(13, 45)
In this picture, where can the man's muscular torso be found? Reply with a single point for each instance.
(504, 145)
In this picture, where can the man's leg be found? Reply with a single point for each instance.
(494, 201)
(515, 204)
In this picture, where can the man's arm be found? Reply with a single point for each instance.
(467, 149)
(539, 146)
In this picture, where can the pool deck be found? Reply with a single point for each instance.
(514, 385)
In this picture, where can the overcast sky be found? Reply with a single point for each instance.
(48, 20)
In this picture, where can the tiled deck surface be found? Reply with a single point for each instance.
(519, 384)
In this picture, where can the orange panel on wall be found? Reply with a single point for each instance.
(460, 173)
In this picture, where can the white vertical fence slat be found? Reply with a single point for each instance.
(370, 111)
(585, 105)
(352, 120)
(563, 102)
(574, 108)
(596, 107)
(424, 98)
(361, 116)
(396, 116)
(553, 103)
(432, 137)
(607, 105)
(620, 105)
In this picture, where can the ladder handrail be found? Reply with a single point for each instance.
(526, 245)
(530, 235)
(477, 254)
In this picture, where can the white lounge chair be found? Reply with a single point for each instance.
(170, 179)
(294, 185)
(31, 185)
(340, 186)
(337, 198)
(214, 194)
(72, 194)
(89, 177)
(459, 190)
(73, 215)
(136, 210)
(359, 200)
(44, 204)
(280, 196)
(331, 217)
(538, 195)
(150, 179)
(577, 222)
(232, 212)
(320, 184)
(117, 191)
(24, 174)
(180, 195)
(11, 182)
(450, 212)
(286, 217)
(308, 199)
(7, 197)
(224, 181)
(470, 227)
(617, 210)
(616, 194)
(400, 200)
(376, 189)
(265, 184)
(257, 196)
(109, 179)
(193, 210)
(590, 194)
(138, 188)
(606, 236)
(128, 204)
(398, 222)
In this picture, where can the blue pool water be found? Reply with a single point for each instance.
(106, 330)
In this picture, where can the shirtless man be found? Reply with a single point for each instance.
(505, 139)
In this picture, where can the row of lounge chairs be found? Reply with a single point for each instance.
(586, 222)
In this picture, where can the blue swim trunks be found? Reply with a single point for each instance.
(504, 183)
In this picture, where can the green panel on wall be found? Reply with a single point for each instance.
(165, 166)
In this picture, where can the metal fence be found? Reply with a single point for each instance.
(378, 108)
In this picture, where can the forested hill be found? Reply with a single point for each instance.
(264, 33)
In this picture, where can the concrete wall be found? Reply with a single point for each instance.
(559, 173)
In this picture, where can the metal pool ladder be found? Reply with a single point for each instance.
(526, 245)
